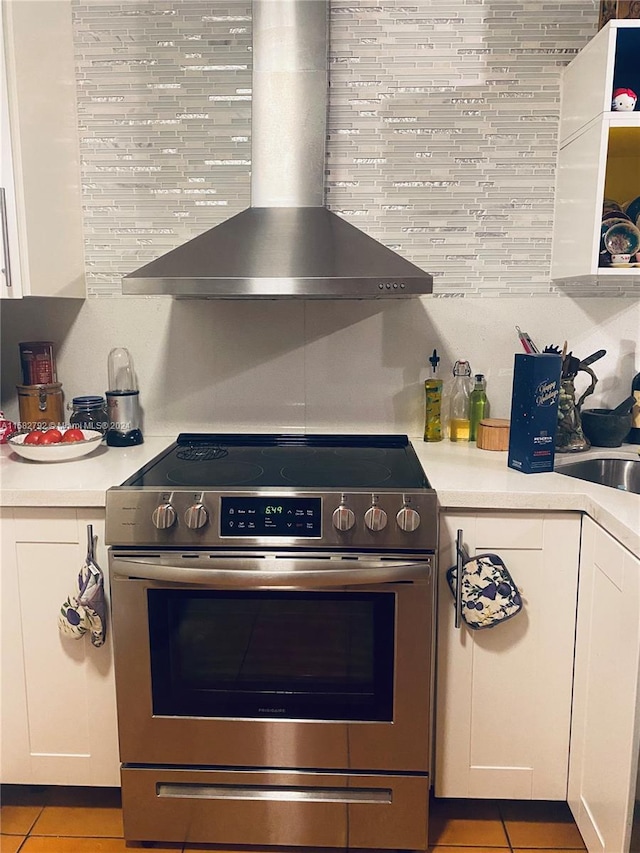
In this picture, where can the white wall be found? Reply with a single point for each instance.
(325, 366)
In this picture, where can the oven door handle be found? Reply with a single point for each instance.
(267, 573)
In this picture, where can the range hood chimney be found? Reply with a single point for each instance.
(287, 244)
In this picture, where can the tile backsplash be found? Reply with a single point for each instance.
(442, 135)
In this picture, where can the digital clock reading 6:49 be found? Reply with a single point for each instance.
(252, 517)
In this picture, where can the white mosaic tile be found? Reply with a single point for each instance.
(442, 135)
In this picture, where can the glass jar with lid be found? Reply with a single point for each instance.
(90, 412)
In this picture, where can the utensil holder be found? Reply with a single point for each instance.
(570, 437)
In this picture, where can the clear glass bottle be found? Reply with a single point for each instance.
(433, 402)
(634, 432)
(478, 405)
(459, 404)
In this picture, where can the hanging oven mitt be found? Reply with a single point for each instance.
(489, 594)
(86, 611)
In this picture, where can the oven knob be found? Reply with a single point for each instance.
(408, 519)
(196, 517)
(375, 518)
(343, 518)
(163, 516)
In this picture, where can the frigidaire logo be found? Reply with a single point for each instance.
(546, 393)
(272, 710)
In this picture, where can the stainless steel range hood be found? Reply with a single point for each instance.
(287, 244)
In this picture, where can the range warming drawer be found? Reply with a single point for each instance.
(275, 808)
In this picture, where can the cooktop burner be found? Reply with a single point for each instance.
(210, 461)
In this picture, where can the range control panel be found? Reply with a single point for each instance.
(184, 517)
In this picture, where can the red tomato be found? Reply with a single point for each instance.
(72, 434)
(51, 436)
(33, 437)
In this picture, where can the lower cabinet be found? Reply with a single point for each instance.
(606, 725)
(58, 720)
(503, 693)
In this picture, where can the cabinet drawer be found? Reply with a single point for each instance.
(509, 530)
(39, 524)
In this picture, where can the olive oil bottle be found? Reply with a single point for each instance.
(459, 425)
(478, 405)
(433, 402)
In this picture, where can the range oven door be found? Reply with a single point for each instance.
(257, 661)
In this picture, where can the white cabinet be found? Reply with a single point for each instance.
(58, 695)
(504, 693)
(599, 155)
(605, 731)
(42, 240)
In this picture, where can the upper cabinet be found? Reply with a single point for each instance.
(599, 157)
(42, 252)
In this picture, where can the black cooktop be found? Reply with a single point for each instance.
(237, 461)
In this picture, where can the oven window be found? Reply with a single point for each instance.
(295, 655)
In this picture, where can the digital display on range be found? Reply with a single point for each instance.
(271, 516)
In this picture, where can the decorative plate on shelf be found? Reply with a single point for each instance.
(58, 452)
(632, 209)
(616, 214)
(610, 204)
(609, 223)
(623, 238)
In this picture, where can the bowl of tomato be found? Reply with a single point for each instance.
(55, 445)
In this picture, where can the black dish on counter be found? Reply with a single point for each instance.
(604, 428)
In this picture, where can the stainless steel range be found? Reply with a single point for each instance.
(272, 607)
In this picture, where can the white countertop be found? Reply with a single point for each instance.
(463, 477)
(79, 482)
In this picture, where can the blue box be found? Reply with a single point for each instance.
(534, 412)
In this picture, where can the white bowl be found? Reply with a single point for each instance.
(56, 452)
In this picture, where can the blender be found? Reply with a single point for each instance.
(123, 401)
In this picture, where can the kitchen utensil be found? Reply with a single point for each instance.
(527, 343)
(570, 366)
(56, 452)
(605, 428)
(595, 356)
(624, 407)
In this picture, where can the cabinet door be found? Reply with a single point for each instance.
(598, 159)
(40, 150)
(604, 738)
(10, 280)
(504, 693)
(58, 694)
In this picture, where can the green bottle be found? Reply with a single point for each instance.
(478, 405)
(433, 402)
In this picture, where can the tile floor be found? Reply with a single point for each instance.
(89, 820)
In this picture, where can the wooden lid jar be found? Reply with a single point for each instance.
(493, 434)
(40, 405)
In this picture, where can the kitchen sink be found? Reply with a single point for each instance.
(617, 473)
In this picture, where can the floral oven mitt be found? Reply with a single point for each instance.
(85, 611)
